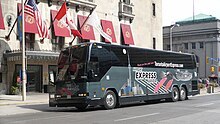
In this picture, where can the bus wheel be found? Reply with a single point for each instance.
(81, 106)
(175, 94)
(182, 94)
(110, 100)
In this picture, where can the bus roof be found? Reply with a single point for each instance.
(124, 46)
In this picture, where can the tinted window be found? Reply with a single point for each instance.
(100, 61)
(119, 56)
(148, 58)
(71, 63)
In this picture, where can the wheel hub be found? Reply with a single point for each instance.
(175, 94)
(110, 100)
(182, 94)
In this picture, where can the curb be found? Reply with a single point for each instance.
(25, 103)
(206, 94)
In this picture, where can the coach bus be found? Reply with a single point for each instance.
(91, 74)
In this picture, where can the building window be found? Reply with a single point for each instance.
(201, 45)
(168, 47)
(186, 46)
(193, 45)
(126, 1)
(29, 41)
(154, 43)
(154, 9)
(57, 43)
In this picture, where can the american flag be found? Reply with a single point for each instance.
(32, 10)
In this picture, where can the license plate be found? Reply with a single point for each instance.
(68, 96)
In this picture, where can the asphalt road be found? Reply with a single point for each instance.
(196, 110)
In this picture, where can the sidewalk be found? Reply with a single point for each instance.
(31, 98)
(204, 91)
(13, 104)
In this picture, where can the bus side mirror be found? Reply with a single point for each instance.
(91, 74)
(51, 77)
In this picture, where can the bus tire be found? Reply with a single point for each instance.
(175, 94)
(81, 107)
(110, 100)
(183, 95)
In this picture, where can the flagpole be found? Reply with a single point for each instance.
(83, 24)
(7, 37)
(23, 56)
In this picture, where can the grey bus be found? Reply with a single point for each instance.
(91, 74)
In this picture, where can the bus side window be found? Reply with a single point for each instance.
(93, 69)
(119, 57)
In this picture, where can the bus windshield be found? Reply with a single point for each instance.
(71, 63)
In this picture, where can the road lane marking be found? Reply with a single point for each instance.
(134, 117)
(202, 105)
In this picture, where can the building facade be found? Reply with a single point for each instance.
(200, 37)
(128, 22)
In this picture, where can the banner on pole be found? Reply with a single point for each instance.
(20, 28)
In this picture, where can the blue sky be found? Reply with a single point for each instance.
(176, 10)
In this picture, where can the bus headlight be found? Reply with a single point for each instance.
(83, 94)
(58, 96)
(80, 94)
(52, 96)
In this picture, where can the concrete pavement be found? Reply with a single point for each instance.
(31, 98)
(13, 104)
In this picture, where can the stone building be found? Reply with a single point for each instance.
(200, 36)
(129, 22)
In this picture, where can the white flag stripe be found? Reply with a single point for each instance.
(95, 22)
(63, 21)
(66, 22)
(32, 10)
(72, 25)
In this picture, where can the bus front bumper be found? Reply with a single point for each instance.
(73, 101)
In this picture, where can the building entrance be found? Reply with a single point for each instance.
(34, 77)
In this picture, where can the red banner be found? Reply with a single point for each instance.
(87, 30)
(30, 24)
(127, 34)
(108, 29)
(59, 29)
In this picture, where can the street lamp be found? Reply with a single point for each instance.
(171, 28)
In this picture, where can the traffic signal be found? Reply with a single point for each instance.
(49, 3)
(212, 69)
(207, 60)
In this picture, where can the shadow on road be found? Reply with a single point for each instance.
(46, 108)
